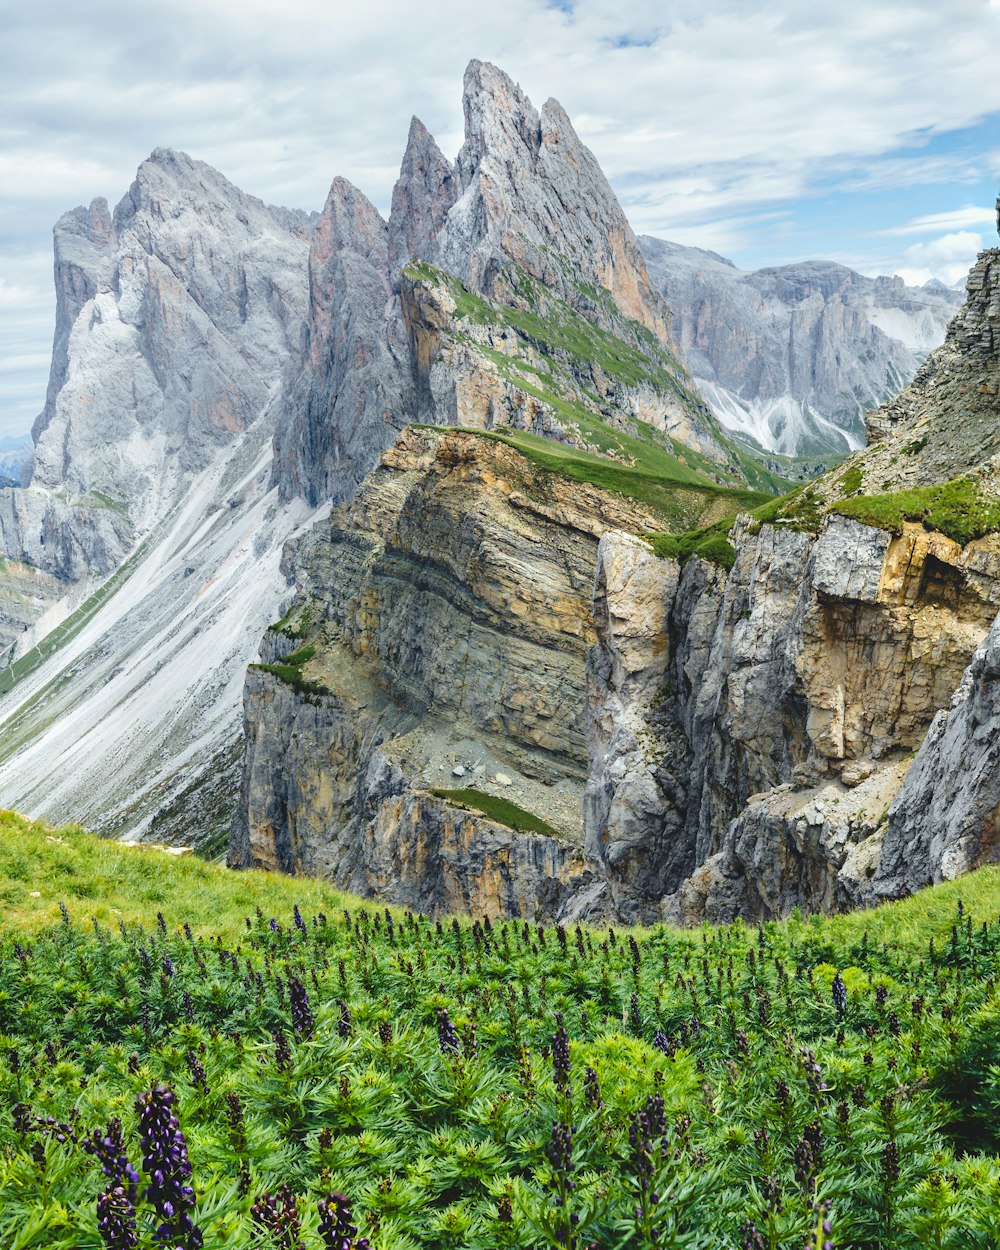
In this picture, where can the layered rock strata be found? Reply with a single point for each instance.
(815, 663)
(441, 625)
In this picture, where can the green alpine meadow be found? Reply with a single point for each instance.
(343, 1074)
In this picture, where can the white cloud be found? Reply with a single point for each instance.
(947, 258)
(957, 219)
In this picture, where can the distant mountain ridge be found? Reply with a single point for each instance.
(791, 357)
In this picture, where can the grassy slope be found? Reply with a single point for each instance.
(766, 1086)
(97, 877)
(500, 810)
(961, 509)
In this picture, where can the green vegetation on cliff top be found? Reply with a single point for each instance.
(960, 509)
(481, 1085)
(503, 811)
(671, 489)
(289, 668)
(566, 347)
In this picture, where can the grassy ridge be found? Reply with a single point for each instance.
(557, 351)
(677, 493)
(494, 1085)
(959, 509)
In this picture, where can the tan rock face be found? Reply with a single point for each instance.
(449, 605)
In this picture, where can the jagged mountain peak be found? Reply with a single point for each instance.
(424, 192)
(500, 120)
(352, 216)
(524, 189)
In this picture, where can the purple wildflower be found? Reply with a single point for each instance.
(109, 1150)
(277, 1214)
(839, 991)
(116, 1219)
(561, 1064)
(302, 1016)
(335, 1226)
(447, 1037)
(165, 1161)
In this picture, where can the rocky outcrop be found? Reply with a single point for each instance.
(817, 659)
(792, 357)
(325, 793)
(530, 192)
(421, 199)
(944, 424)
(26, 594)
(815, 848)
(633, 833)
(945, 821)
(441, 626)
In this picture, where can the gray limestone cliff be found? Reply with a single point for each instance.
(347, 396)
(174, 317)
(754, 751)
(811, 667)
(790, 358)
(945, 821)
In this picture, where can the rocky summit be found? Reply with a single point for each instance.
(488, 558)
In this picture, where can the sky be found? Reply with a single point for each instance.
(863, 131)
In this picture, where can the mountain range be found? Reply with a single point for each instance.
(486, 495)
(791, 358)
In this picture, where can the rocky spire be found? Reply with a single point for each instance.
(531, 192)
(348, 400)
(424, 192)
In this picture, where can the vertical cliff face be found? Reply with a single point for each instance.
(349, 397)
(423, 738)
(768, 694)
(765, 762)
(423, 196)
(945, 821)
